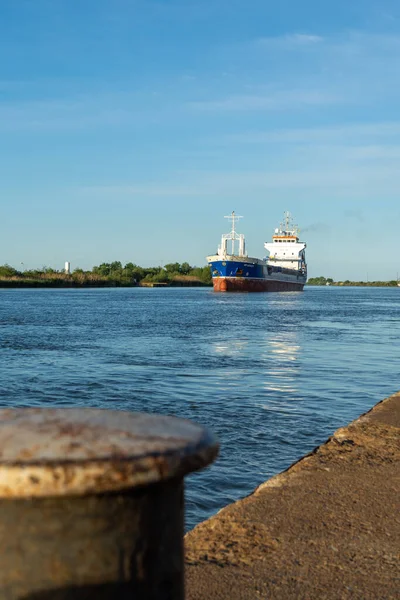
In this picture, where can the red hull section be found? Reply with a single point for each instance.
(241, 284)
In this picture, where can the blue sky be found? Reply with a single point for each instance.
(128, 129)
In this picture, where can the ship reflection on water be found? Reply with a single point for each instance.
(230, 347)
(284, 371)
(269, 368)
(281, 380)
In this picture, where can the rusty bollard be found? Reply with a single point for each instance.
(91, 503)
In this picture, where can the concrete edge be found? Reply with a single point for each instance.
(296, 468)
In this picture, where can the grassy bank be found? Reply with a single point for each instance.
(330, 282)
(108, 275)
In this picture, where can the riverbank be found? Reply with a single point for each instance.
(112, 274)
(72, 282)
(357, 284)
(327, 527)
(322, 281)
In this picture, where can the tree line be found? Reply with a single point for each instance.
(116, 272)
(167, 274)
(329, 281)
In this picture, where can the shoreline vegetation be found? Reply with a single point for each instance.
(131, 275)
(108, 275)
(330, 282)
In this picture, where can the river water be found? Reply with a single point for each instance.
(273, 375)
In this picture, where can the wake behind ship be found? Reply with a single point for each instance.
(283, 270)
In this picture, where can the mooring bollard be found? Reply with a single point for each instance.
(91, 503)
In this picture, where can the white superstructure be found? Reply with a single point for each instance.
(286, 250)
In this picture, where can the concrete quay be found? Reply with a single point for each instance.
(326, 528)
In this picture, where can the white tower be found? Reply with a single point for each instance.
(67, 268)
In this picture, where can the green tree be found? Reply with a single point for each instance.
(317, 281)
(161, 277)
(151, 271)
(130, 266)
(203, 274)
(116, 266)
(185, 268)
(7, 271)
(138, 274)
(173, 267)
(132, 273)
(104, 269)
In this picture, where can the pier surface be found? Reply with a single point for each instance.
(328, 527)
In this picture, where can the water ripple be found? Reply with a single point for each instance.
(271, 374)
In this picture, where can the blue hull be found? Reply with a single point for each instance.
(249, 276)
(227, 268)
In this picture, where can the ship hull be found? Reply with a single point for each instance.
(253, 275)
(284, 269)
(238, 284)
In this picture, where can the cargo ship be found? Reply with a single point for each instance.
(284, 268)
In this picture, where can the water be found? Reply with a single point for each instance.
(273, 375)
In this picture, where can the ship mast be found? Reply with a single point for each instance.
(287, 220)
(233, 236)
(287, 226)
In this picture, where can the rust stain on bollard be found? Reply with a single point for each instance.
(91, 503)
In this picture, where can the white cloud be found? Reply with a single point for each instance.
(290, 40)
(301, 69)
(301, 38)
(158, 189)
(351, 132)
(274, 100)
(331, 177)
(61, 115)
(373, 152)
(334, 176)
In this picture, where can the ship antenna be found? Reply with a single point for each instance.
(233, 217)
(287, 220)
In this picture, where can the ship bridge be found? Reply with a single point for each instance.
(286, 250)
